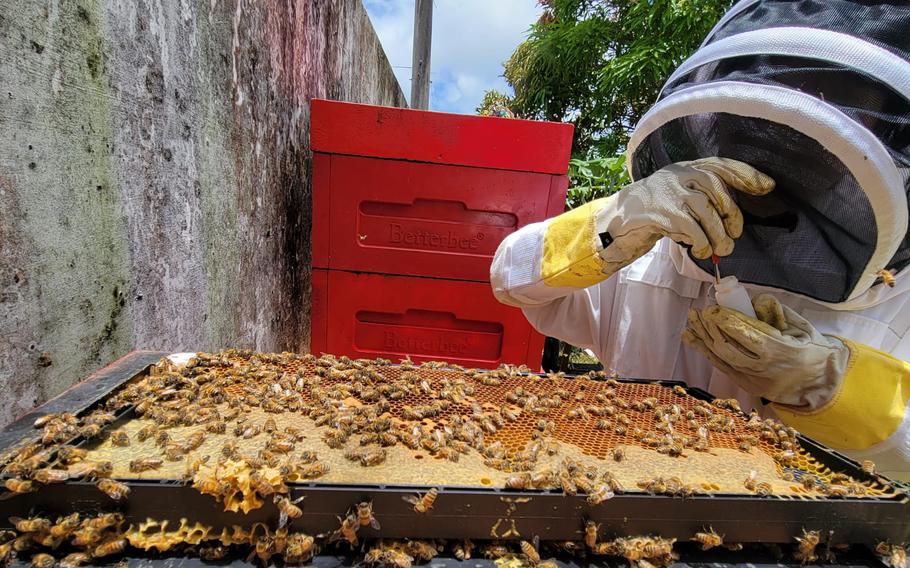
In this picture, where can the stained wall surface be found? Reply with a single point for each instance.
(155, 175)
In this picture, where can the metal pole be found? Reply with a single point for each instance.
(420, 62)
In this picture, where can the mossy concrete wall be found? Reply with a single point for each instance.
(154, 175)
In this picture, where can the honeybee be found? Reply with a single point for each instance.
(146, 432)
(22, 543)
(348, 529)
(657, 547)
(32, 525)
(420, 550)
(450, 454)
(835, 490)
(249, 432)
(567, 483)
(230, 450)
(764, 489)
(259, 484)
(269, 425)
(806, 550)
(600, 493)
(195, 440)
(86, 536)
(678, 390)
(365, 515)
(299, 548)
(17, 485)
(280, 446)
(90, 431)
(511, 414)
(145, 464)
(287, 509)
(727, 403)
(335, 438)
(591, 529)
(65, 526)
(892, 555)
(367, 456)
(619, 453)
(42, 560)
(582, 483)
(75, 559)
(69, 455)
(104, 521)
(654, 485)
(495, 551)
(519, 481)
(114, 546)
(785, 457)
(113, 489)
(462, 550)
(216, 552)
(610, 479)
(120, 438)
(313, 471)
(708, 539)
(174, 452)
(868, 466)
(397, 559)
(530, 551)
(423, 503)
(751, 480)
(810, 481)
(887, 277)
(162, 438)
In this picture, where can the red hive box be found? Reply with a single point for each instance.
(420, 200)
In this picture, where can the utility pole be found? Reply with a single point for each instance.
(420, 61)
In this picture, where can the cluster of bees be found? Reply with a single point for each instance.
(95, 537)
(106, 535)
(365, 407)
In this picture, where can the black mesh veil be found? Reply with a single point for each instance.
(816, 233)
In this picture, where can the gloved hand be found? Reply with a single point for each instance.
(687, 202)
(779, 356)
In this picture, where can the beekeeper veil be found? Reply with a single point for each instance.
(816, 94)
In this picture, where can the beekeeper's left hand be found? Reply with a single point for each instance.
(778, 356)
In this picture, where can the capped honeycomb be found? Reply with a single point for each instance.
(337, 420)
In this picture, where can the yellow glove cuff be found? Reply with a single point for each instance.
(570, 255)
(866, 409)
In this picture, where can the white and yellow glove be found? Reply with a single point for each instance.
(687, 202)
(842, 393)
(779, 356)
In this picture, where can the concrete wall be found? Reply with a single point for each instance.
(154, 175)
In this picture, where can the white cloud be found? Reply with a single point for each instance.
(471, 40)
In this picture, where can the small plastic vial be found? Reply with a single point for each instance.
(729, 293)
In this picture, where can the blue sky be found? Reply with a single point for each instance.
(471, 40)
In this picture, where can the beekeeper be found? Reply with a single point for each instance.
(781, 146)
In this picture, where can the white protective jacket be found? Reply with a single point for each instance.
(633, 321)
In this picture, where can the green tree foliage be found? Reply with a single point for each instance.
(600, 64)
(595, 177)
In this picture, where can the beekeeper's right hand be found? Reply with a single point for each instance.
(687, 201)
